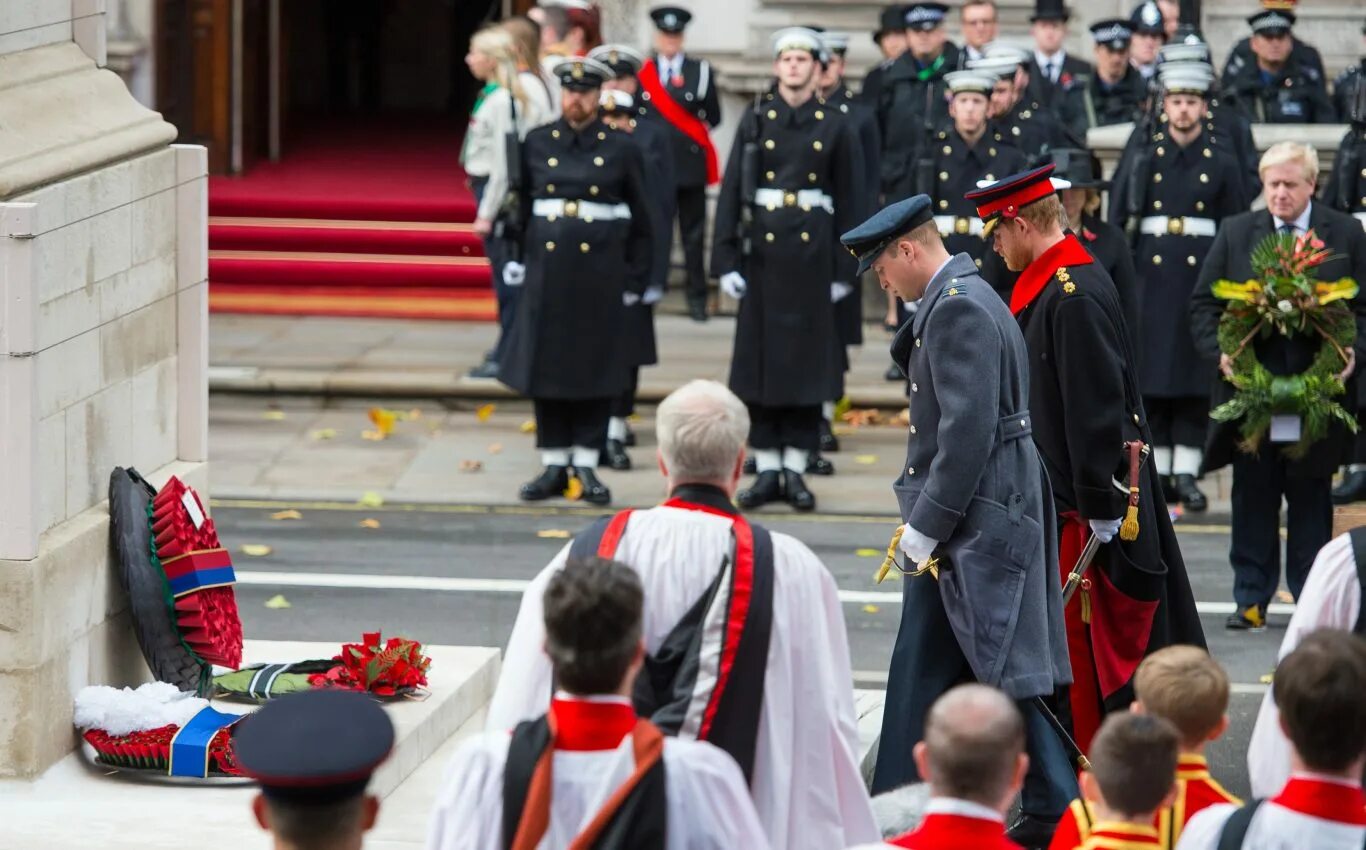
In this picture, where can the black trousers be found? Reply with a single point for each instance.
(562, 424)
(781, 427)
(625, 404)
(1181, 421)
(692, 224)
(1259, 482)
(926, 662)
(1359, 446)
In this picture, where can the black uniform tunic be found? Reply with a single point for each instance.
(1297, 94)
(957, 168)
(787, 349)
(1201, 181)
(1034, 129)
(565, 343)
(911, 98)
(1114, 104)
(849, 310)
(638, 338)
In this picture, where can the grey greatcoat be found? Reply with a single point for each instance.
(973, 480)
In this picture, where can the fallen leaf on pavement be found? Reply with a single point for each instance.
(841, 431)
(289, 514)
(870, 609)
(373, 436)
(1265, 678)
(369, 523)
(842, 406)
(322, 434)
(384, 420)
(371, 499)
(485, 411)
(869, 553)
(574, 491)
(256, 550)
(859, 417)
(277, 601)
(529, 426)
(866, 460)
(903, 417)
(273, 415)
(553, 533)
(470, 465)
(495, 448)
(411, 415)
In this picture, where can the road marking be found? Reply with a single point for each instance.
(447, 584)
(551, 510)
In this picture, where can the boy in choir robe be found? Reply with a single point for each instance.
(1132, 777)
(718, 586)
(589, 772)
(1183, 685)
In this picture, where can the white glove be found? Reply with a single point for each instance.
(630, 299)
(839, 291)
(653, 295)
(916, 546)
(733, 285)
(1105, 529)
(514, 274)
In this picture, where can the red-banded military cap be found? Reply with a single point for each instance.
(1005, 198)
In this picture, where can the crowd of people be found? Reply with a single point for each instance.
(679, 676)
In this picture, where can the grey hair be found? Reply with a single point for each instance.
(702, 428)
(901, 810)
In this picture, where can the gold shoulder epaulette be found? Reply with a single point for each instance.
(1066, 279)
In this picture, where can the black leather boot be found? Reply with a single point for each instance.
(750, 467)
(1189, 493)
(630, 439)
(767, 487)
(549, 484)
(697, 309)
(795, 489)
(594, 491)
(617, 458)
(817, 465)
(1352, 487)
(829, 442)
(894, 373)
(1169, 494)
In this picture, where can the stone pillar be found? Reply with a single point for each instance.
(102, 356)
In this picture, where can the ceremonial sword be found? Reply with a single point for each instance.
(1138, 455)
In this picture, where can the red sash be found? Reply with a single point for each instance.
(682, 120)
(1068, 252)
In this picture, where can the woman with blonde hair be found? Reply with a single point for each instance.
(513, 100)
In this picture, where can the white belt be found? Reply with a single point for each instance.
(1361, 217)
(586, 210)
(1177, 225)
(804, 198)
(950, 224)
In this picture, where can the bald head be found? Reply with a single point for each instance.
(974, 742)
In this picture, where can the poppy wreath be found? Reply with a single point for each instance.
(393, 668)
(1288, 300)
(135, 729)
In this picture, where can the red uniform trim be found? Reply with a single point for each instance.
(1068, 252)
(682, 120)
(1324, 800)
(611, 536)
(1009, 205)
(956, 832)
(584, 725)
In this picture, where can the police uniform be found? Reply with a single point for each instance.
(1146, 19)
(1062, 85)
(787, 352)
(912, 102)
(891, 19)
(1296, 94)
(1345, 90)
(1117, 102)
(638, 339)
(315, 748)
(954, 167)
(691, 85)
(1186, 193)
(968, 457)
(586, 244)
(1087, 415)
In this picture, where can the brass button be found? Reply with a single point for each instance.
(552, 162)
(820, 116)
(768, 143)
(550, 246)
(943, 175)
(944, 204)
(1157, 259)
(770, 176)
(912, 429)
(1190, 261)
(602, 137)
(769, 237)
(1161, 151)
(811, 178)
(789, 199)
(554, 134)
(1199, 206)
(1204, 178)
(592, 190)
(772, 113)
(817, 144)
(1208, 153)
(1136, 420)
(571, 208)
(1157, 205)
(550, 187)
(910, 470)
(1014, 131)
(806, 237)
(584, 247)
(1157, 178)
(991, 151)
(597, 160)
(947, 150)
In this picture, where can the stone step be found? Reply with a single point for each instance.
(75, 806)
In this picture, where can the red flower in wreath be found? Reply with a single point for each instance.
(395, 667)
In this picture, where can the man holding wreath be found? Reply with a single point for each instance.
(1287, 459)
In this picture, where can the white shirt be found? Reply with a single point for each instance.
(1273, 827)
(1300, 224)
(806, 783)
(1331, 598)
(707, 808)
(670, 68)
(1056, 59)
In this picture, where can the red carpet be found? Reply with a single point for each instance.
(353, 221)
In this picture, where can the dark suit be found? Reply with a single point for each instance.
(694, 90)
(1259, 481)
(1067, 96)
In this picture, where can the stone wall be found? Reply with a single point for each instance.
(103, 355)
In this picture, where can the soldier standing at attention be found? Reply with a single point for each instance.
(586, 255)
(961, 155)
(1016, 119)
(683, 91)
(1172, 199)
(791, 186)
(911, 102)
(1116, 92)
(1278, 88)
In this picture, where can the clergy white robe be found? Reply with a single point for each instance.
(806, 783)
(707, 808)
